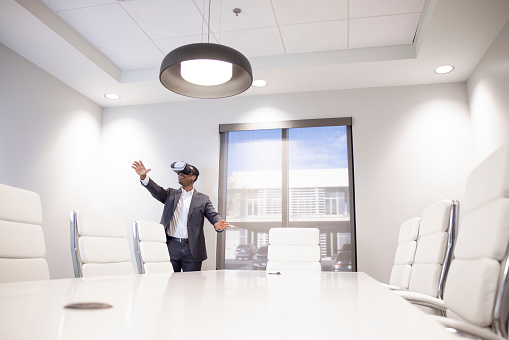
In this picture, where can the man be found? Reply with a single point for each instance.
(183, 217)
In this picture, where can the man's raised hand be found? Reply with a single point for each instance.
(140, 169)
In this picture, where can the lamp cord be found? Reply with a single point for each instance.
(208, 25)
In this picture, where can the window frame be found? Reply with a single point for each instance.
(284, 126)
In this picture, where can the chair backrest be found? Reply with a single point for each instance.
(476, 287)
(22, 248)
(405, 253)
(99, 244)
(433, 255)
(150, 249)
(294, 249)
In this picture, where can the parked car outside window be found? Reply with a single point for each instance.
(260, 259)
(245, 251)
(343, 262)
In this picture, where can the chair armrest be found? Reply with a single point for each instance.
(463, 328)
(392, 287)
(422, 300)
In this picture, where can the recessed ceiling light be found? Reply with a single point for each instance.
(260, 83)
(444, 69)
(112, 96)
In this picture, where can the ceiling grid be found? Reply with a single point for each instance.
(124, 30)
(104, 46)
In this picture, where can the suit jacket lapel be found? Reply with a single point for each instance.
(177, 199)
(194, 203)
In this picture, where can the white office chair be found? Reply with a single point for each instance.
(99, 244)
(294, 249)
(22, 248)
(405, 254)
(150, 249)
(475, 297)
(433, 254)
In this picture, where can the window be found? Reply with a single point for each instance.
(289, 174)
(252, 206)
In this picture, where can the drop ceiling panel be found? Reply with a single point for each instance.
(371, 8)
(161, 19)
(105, 25)
(168, 45)
(383, 31)
(255, 42)
(61, 5)
(255, 14)
(289, 12)
(313, 37)
(134, 56)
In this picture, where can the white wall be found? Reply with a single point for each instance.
(49, 139)
(488, 91)
(412, 147)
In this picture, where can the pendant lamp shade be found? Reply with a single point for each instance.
(241, 72)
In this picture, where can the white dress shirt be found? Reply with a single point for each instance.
(181, 223)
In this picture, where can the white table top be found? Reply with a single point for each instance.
(213, 305)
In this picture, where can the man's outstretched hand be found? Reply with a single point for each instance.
(221, 225)
(140, 169)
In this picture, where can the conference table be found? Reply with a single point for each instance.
(222, 304)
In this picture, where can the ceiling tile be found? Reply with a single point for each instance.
(370, 8)
(61, 5)
(168, 45)
(290, 12)
(382, 31)
(104, 25)
(255, 14)
(134, 56)
(254, 43)
(320, 36)
(162, 19)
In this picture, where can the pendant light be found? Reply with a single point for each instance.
(206, 70)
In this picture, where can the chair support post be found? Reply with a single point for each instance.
(78, 272)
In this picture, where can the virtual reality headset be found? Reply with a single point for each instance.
(183, 167)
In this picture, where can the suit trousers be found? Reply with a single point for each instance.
(180, 256)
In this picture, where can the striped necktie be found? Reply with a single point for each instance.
(175, 218)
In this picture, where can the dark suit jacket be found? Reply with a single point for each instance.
(200, 208)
